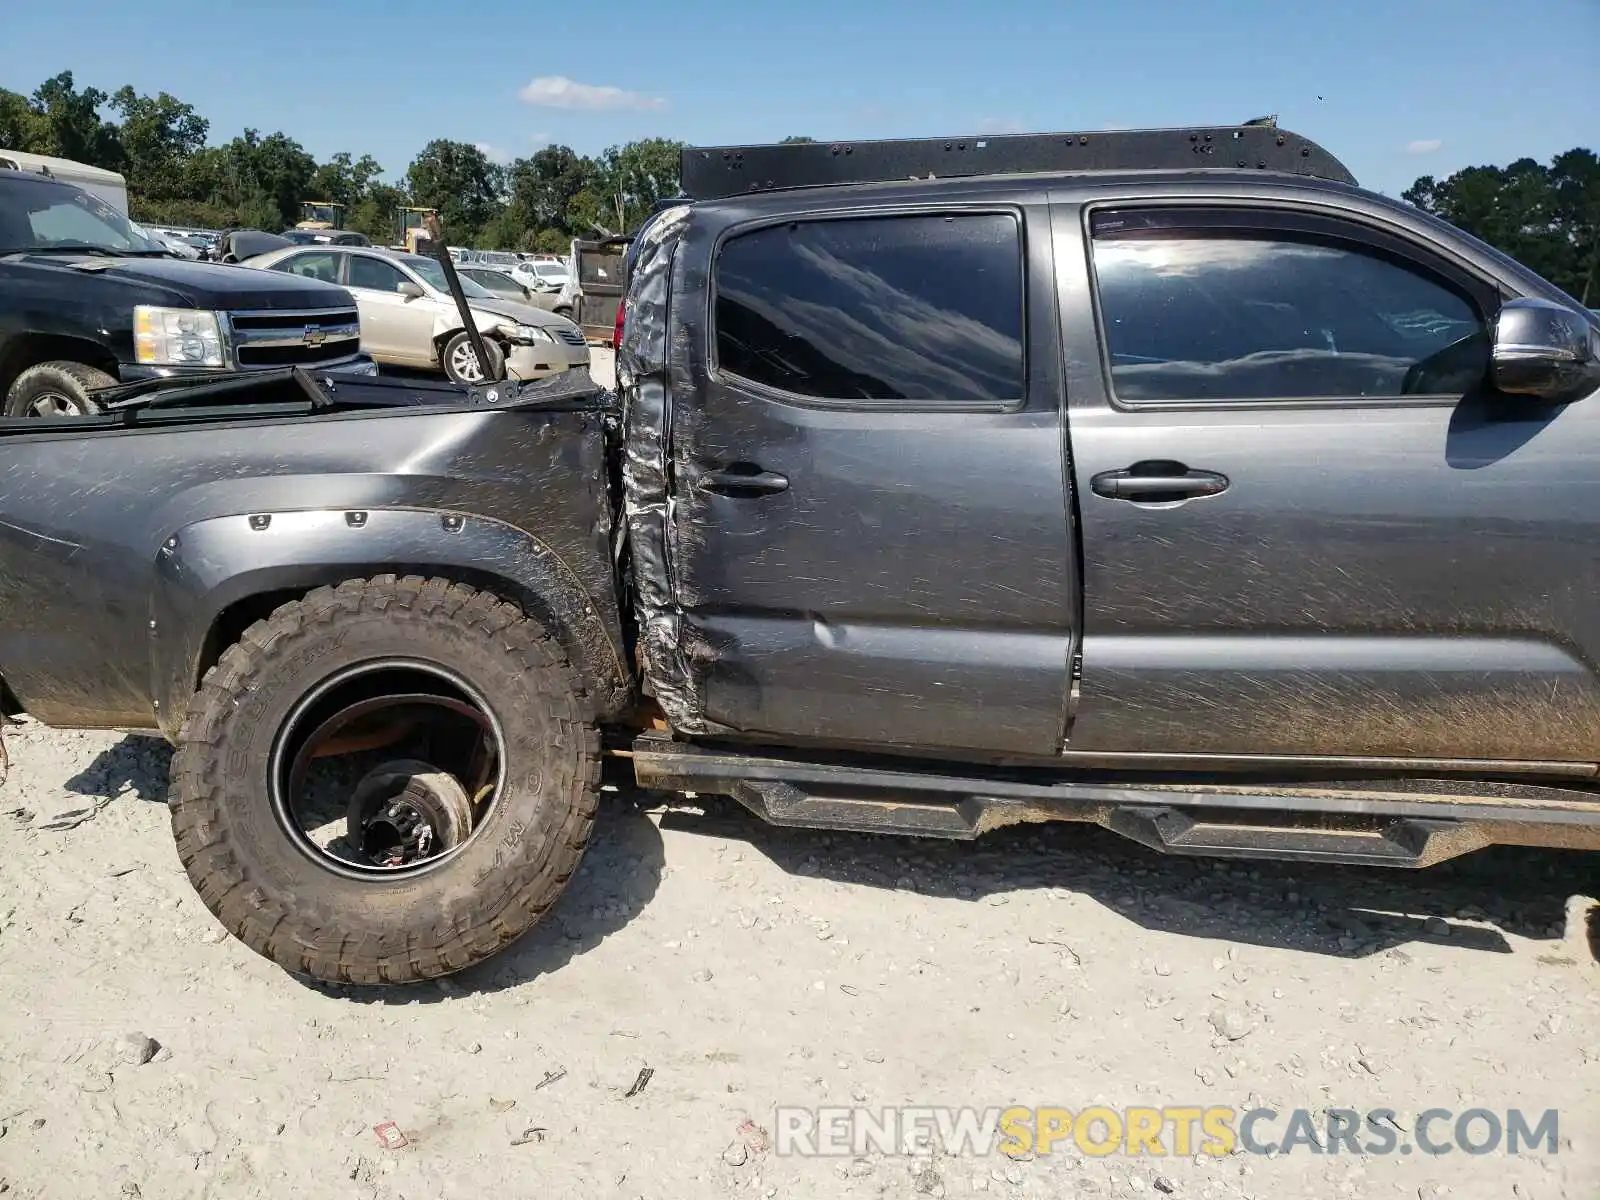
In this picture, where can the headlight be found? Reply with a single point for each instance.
(523, 335)
(176, 337)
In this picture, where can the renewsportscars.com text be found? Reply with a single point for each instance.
(1170, 1130)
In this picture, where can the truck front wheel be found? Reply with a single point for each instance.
(385, 782)
(56, 389)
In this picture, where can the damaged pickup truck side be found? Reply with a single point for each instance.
(1162, 479)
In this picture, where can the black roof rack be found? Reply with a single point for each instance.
(714, 172)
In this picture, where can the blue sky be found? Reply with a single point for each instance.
(1397, 88)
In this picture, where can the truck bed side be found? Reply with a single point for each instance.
(130, 558)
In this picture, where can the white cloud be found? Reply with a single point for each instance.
(539, 139)
(1423, 146)
(493, 153)
(557, 91)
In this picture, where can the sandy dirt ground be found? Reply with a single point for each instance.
(143, 1052)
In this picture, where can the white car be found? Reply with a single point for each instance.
(408, 318)
(541, 276)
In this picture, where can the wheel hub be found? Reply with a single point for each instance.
(465, 361)
(403, 812)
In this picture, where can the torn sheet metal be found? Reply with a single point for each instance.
(649, 370)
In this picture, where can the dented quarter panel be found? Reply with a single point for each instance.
(118, 548)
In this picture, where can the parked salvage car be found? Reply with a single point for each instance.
(1234, 508)
(178, 247)
(503, 285)
(542, 275)
(408, 318)
(87, 302)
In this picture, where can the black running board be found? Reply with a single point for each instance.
(1400, 822)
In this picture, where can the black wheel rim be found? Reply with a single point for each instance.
(435, 704)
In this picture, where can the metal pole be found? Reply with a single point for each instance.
(442, 253)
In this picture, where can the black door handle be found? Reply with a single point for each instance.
(1154, 482)
(742, 482)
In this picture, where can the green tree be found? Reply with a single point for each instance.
(633, 177)
(795, 140)
(373, 215)
(264, 179)
(591, 213)
(21, 127)
(71, 124)
(551, 241)
(344, 179)
(459, 180)
(505, 231)
(1575, 182)
(1546, 217)
(540, 189)
(159, 135)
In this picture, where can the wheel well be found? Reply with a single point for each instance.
(9, 705)
(31, 349)
(231, 623)
(443, 338)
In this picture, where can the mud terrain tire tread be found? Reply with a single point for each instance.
(307, 934)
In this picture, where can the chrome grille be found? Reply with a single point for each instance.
(572, 337)
(294, 337)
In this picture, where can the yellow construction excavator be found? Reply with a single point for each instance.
(320, 214)
(409, 231)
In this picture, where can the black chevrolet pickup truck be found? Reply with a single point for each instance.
(87, 302)
(1161, 479)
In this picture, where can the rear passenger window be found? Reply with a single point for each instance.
(373, 275)
(921, 309)
(1236, 314)
(313, 265)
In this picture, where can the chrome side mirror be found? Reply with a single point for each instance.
(409, 290)
(1546, 350)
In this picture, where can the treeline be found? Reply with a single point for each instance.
(1546, 215)
(177, 176)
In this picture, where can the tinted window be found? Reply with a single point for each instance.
(317, 265)
(921, 309)
(1236, 315)
(373, 273)
(494, 281)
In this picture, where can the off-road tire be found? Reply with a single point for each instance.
(458, 343)
(271, 893)
(72, 382)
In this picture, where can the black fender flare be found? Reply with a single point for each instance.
(205, 568)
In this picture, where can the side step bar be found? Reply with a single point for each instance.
(1400, 822)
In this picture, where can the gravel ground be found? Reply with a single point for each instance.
(752, 968)
(143, 1052)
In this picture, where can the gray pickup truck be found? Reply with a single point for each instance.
(1160, 479)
